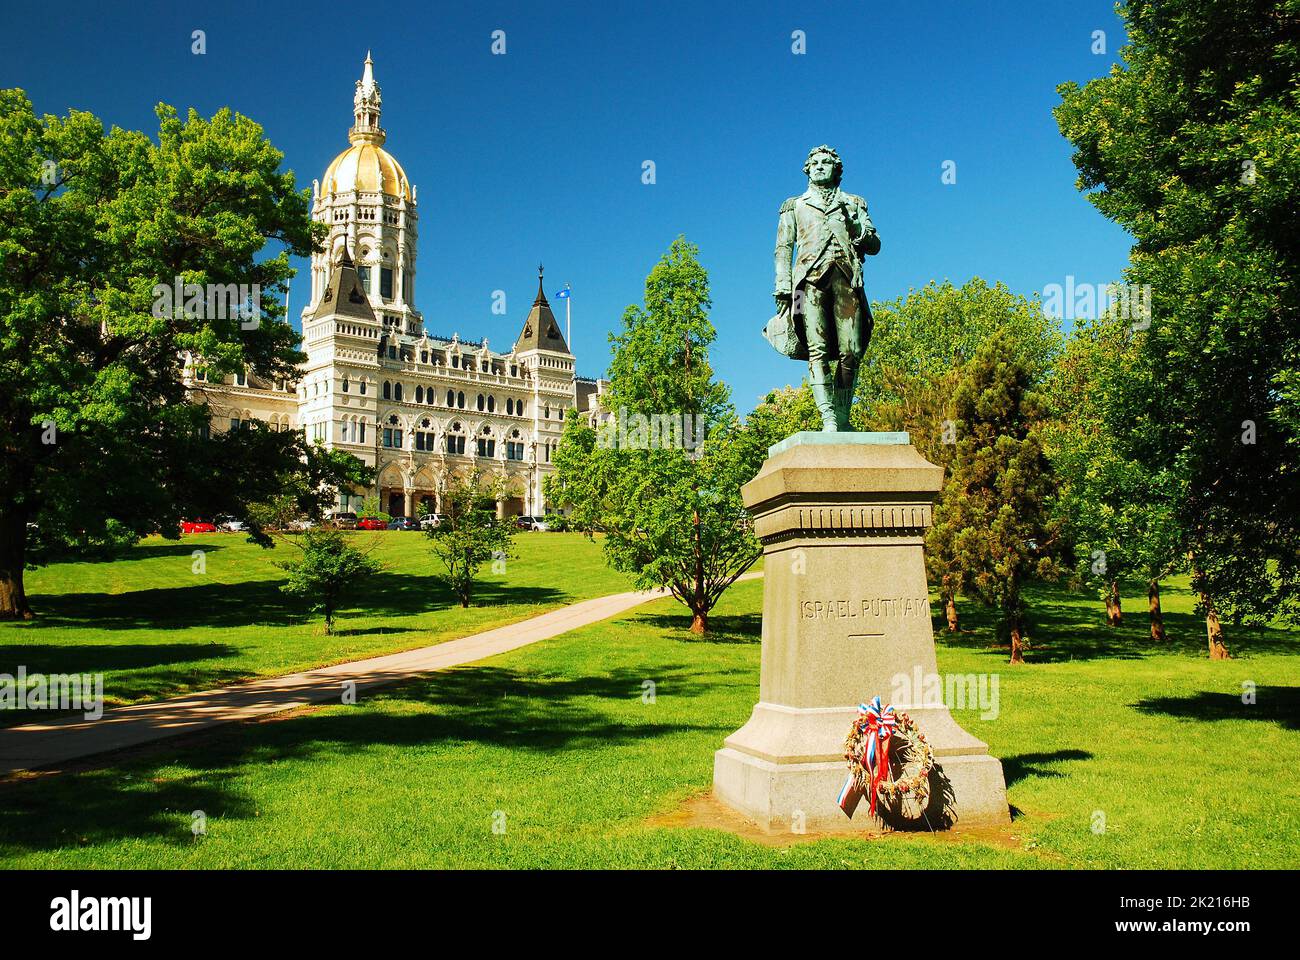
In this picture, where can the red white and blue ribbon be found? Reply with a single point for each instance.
(878, 724)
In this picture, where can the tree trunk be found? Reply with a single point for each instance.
(1213, 629)
(700, 622)
(1157, 615)
(1114, 613)
(13, 557)
(950, 611)
(1017, 642)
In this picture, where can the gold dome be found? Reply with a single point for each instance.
(366, 168)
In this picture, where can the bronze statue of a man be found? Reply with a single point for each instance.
(823, 316)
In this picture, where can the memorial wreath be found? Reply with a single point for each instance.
(867, 749)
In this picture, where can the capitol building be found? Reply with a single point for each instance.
(418, 408)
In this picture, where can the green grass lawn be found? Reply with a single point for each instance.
(156, 628)
(555, 742)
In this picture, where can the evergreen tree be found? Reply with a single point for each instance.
(998, 526)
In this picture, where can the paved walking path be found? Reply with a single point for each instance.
(38, 745)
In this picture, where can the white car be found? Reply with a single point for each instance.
(430, 521)
(231, 525)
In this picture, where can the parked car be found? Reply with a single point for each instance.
(343, 520)
(432, 520)
(530, 523)
(371, 523)
(301, 525)
(227, 524)
(403, 523)
(198, 525)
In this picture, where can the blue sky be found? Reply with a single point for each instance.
(537, 155)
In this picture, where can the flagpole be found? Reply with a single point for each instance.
(568, 318)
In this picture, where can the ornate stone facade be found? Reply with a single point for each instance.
(416, 406)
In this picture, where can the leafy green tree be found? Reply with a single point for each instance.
(576, 482)
(370, 509)
(785, 412)
(663, 477)
(1118, 514)
(328, 570)
(1193, 146)
(97, 426)
(921, 337)
(305, 486)
(470, 535)
(997, 507)
(920, 345)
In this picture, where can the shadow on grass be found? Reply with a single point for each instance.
(140, 795)
(105, 657)
(259, 602)
(1272, 704)
(1066, 625)
(132, 669)
(1023, 765)
(152, 551)
(729, 628)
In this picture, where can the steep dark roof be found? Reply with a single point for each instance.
(541, 332)
(343, 295)
(585, 393)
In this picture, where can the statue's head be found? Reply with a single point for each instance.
(823, 166)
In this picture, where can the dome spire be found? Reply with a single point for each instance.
(367, 103)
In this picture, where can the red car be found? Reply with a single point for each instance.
(198, 525)
(371, 523)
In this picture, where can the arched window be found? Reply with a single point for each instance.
(480, 402)
(451, 399)
(345, 384)
(388, 390)
(514, 446)
(510, 405)
(419, 394)
(363, 388)
(397, 391)
(492, 404)
(460, 399)
(455, 440)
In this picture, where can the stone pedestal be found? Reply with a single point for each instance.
(845, 612)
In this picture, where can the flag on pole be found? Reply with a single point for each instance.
(563, 294)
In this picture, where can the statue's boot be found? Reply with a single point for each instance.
(843, 406)
(823, 396)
